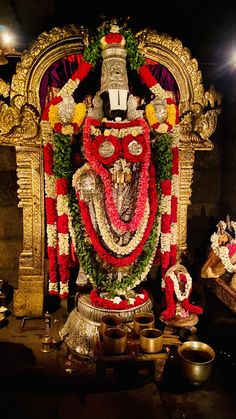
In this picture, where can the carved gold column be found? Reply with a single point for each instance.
(186, 159)
(31, 261)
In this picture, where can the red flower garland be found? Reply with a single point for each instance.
(123, 305)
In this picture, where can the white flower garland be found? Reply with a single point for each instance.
(188, 285)
(117, 132)
(222, 252)
(107, 235)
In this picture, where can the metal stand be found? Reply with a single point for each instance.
(48, 342)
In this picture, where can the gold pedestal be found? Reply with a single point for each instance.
(81, 329)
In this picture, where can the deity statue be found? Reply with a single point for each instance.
(116, 210)
(124, 203)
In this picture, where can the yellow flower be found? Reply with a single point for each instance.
(171, 109)
(106, 132)
(53, 115)
(134, 132)
(80, 112)
(67, 130)
(150, 114)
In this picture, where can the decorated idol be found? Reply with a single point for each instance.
(115, 210)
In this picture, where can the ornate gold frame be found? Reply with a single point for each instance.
(19, 127)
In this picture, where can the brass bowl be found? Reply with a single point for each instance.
(114, 340)
(196, 361)
(143, 320)
(109, 320)
(151, 340)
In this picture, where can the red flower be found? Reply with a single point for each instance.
(165, 223)
(62, 186)
(123, 305)
(62, 224)
(95, 145)
(51, 215)
(129, 156)
(48, 159)
(166, 186)
(173, 254)
(58, 127)
(174, 205)
(111, 38)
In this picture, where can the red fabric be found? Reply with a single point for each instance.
(82, 71)
(147, 76)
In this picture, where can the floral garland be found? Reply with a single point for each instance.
(100, 170)
(182, 307)
(223, 252)
(160, 93)
(171, 121)
(70, 128)
(87, 257)
(102, 252)
(118, 303)
(187, 280)
(73, 126)
(107, 236)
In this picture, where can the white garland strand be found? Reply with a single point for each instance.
(222, 252)
(181, 295)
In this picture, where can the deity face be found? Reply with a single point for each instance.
(115, 104)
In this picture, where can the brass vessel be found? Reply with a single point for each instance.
(114, 340)
(143, 320)
(109, 320)
(196, 361)
(151, 340)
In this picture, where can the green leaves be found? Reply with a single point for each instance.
(62, 156)
(134, 56)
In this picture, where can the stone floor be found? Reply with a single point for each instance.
(38, 385)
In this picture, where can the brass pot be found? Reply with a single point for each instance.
(109, 320)
(143, 320)
(151, 340)
(196, 361)
(114, 340)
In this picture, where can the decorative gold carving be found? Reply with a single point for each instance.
(171, 53)
(48, 48)
(186, 158)
(31, 261)
(18, 124)
(212, 97)
(4, 88)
